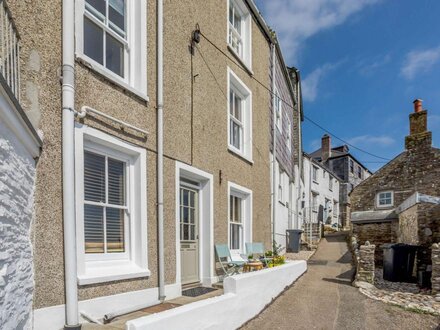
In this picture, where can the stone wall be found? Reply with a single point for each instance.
(365, 263)
(17, 172)
(408, 226)
(428, 218)
(435, 278)
(377, 234)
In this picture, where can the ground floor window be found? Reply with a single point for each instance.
(111, 200)
(239, 218)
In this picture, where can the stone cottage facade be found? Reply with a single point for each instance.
(400, 203)
(216, 167)
(351, 172)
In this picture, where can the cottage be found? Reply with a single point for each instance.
(156, 147)
(351, 172)
(399, 203)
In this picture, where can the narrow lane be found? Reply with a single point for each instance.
(323, 298)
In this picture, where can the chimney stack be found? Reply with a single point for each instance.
(326, 147)
(419, 136)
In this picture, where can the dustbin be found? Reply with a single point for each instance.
(398, 262)
(293, 240)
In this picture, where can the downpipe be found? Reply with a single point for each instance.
(68, 154)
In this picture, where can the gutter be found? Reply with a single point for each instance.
(274, 151)
(159, 90)
(68, 132)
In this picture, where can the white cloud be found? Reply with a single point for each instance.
(296, 20)
(368, 67)
(310, 84)
(419, 61)
(369, 140)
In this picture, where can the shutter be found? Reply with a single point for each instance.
(94, 177)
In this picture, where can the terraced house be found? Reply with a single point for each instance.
(154, 119)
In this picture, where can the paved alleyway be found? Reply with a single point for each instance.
(323, 298)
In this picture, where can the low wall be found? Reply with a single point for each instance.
(245, 295)
(377, 234)
(365, 264)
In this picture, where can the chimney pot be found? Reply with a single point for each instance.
(418, 105)
(326, 147)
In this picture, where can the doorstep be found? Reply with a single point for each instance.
(119, 322)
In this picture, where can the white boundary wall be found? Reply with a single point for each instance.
(245, 295)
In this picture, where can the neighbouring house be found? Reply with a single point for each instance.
(321, 198)
(286, 118)
(351, 172)
(19, 152)
(130, 199)
(400, 202)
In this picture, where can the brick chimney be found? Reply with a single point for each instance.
(419, 136)
(326, 147)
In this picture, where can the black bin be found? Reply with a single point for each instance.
(293, 240)
(398, 262)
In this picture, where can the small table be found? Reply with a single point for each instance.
(252, 266)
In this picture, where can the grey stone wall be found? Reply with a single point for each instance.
(435, 277)
(365, 264)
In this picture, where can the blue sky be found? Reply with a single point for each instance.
(362, 63)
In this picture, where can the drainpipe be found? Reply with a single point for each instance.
(68, 104)
(274, 151)
(159, 52)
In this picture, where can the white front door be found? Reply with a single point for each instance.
(189, 237)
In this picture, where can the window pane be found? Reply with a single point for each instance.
(235, 134)
(116, 13)
(237, 209)
(93, 229)
(114, 55)
(237, 22)
(116, 182)
(185, 232)
(185, 215)
(235, 236)
(231, 102)
(115, 230)
(192, 199)
(93, 41)
(94, 177)
(185, 197)
(192, 232)
(96, 7)
(238, 103)
(192, 216)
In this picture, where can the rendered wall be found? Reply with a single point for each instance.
(17, 174)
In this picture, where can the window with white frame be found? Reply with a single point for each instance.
(111, 217)
(359, 172)
(278, 111)
(111, 39)
(280, 185)
(239, 218)
(351, 166)
(330, 182)
(239, 117)
(314, 173)
(314, 202)
(289, 135)
(335, 209)
(239, 30)
(385, 199)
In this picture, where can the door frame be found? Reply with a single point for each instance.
(196, 190)
(206, 221)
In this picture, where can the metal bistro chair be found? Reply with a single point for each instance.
(229, 266)
(257, 248)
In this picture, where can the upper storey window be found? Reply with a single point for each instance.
(385, 199)
(239, 30)
(111, 39)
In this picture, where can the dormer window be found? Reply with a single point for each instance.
(385, 199)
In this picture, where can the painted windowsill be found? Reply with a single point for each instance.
(240, 60)
(240, 154)
(92, 65)
(108, 271)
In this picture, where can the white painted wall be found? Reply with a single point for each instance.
(322, 189)
(245, 295)
(17, 178)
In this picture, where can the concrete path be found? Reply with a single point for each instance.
(323, 298)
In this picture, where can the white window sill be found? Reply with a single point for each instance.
(107, 271)
(240, 154)
(239, 59)
(88, 62)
